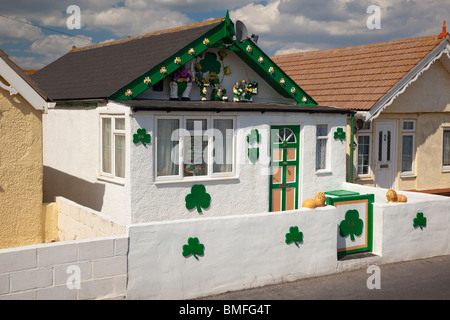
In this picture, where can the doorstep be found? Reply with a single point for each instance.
(355, 261)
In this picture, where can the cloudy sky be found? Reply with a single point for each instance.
(283, 26)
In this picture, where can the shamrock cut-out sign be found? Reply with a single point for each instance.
(339, 134)
(141, 136)
(193, 247)
(253, 154)
(253, 137)
(198, 198)
(420, 221)
(352, 225)
(294, 236)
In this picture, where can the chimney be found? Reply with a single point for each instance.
(444, 32)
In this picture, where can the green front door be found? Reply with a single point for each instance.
(285, 167)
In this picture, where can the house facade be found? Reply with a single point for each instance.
(22, 105)
(185, 123)
(400, 93)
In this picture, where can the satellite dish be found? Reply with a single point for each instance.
(241, 31)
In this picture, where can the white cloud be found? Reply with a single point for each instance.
(290, 50)
(14, 31)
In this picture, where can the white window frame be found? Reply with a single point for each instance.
(445, 168)
(114, 132)
(412, 133)
(327, 149)
(183, 126)
(369, 174)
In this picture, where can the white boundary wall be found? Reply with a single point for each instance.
(42, 271)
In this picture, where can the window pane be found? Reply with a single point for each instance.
(167, 150)
(388, 151)
(223, 146)
(407, 153)
(380, 145)
(119, 159)
(408, 125)
(363, 155)
(321, 148)
(446, 148)
(120, 124)
(106, 145)
(195, 147)
(322, 130)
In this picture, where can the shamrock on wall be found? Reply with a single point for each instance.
(339, 134)
(352, 225)
(420, 221)
(193, 247)
(141, 136)
(294, 236)
(253, 138)
(198, 198)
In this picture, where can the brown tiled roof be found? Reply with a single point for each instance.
(355, 77)
(96, 72)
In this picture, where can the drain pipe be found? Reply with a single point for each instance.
(352, 141)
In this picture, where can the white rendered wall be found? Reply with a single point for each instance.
(240, 252)
(72, 149)
(246, 193)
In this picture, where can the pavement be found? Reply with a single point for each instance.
(424, 279)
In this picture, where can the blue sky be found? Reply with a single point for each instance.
(283, 26)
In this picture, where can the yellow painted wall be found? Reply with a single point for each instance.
(21, 171)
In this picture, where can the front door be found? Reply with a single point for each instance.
(385, 151)
(285, 168)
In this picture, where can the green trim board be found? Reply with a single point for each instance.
(217, 38)
(340, 193)
(350, 203)
(284, 163)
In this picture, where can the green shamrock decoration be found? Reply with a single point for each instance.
(193, 247)
(210, 63)
(339, 134)
(198, 198)
(351, 225)
(294, 236)
(420, 221)
(141, 136)
(253, 137)
(253, 154)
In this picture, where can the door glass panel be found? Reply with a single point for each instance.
(290, 199)
(290, 174)
(291, 154)
(278, 155)
(276, 200)
(380, 145)
(388, 151)
(277, 176)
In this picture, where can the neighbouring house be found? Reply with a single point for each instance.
(400, 92)
(22, 104)
(142, 123)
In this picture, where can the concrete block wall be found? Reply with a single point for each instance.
(72, 270)
(76, 222)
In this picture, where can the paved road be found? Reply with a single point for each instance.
(425, 279)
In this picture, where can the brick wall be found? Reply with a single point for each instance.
(43, 271)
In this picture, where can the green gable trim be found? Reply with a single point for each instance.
(224, 32)
(271, 73)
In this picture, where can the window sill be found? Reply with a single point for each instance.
(324, 172)
(445, 170)
(120, 182)
(408, 175)
(362, 178)
(199, 179)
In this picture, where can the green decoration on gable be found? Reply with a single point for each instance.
(141, 136)
(339, 134)
(294, 236)
(352, 225)
(210, 64)
(198, 198)
(420, 221)
(193, 247)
